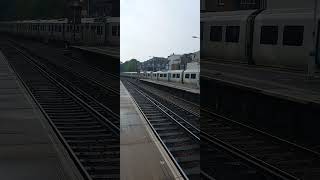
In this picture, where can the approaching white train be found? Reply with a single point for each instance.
(90, 31)
(188, 76)
(278, 37)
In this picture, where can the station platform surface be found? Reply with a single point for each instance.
(104, 50)
(28, 147)
(294, 86)
(142, 156)
(184, 87)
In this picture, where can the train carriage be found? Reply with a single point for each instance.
(91, 31)
(176, 76)
(112, 31)
(163, 76)
(191, 76)
(224, 35)
(283, 38)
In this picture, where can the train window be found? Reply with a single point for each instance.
(232, 34)
(164, 75)
(60, 28)
(114, 30)
(178, 75)
(193, 76)
(173, 75)
(99, 30)
(78, 29)
(160, 75)
(93, 28)
(269, 35)
(293, 35)
(187, 76)
(220, 2)
(216, 33)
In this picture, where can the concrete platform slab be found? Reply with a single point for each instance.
(142, 156)
(8, 83)
(16, 101)
(293, 86)
(48, 169)
(104, 50)
(29, 148)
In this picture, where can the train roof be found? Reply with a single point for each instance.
(176, 71)
(286, 14)
(192, 71)
(226, 15)
(65, 20)
(129, 72)
(113, 19)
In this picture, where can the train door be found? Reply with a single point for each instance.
(317, 53)
(63, 32)
(106, 33)
(182, 77)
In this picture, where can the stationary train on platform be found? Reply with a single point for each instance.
(282, 38)
(90, 31)
(189, 76)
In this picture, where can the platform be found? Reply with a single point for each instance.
(29, 148)
(142, 156)
(183, 87)
(104, 50)
(293, 86)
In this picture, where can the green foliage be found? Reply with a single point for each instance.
(130, 66)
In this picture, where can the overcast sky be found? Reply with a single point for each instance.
(158, 28)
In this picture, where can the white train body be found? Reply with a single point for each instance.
(189, 76)
(278, 37)
(88, 32)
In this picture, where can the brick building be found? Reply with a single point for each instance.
(101, 8)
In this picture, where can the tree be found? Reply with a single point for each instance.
(130, 66)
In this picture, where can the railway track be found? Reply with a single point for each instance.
(105, 97)
(108, 80)
(182, 108)
(92, 139)
(248, 153)
(179, 94)
(285, 159)
(218, 162)
(186, 105)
